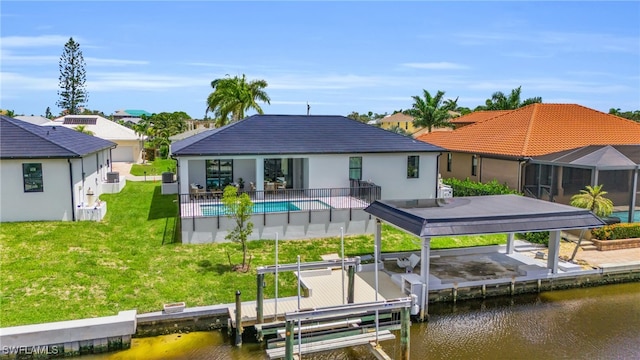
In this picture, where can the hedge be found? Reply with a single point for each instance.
(474, 188)
(617, 231)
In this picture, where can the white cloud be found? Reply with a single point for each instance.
(33, 41)
(124, 81)
(114, 62)
(16, 82)
(443, 65)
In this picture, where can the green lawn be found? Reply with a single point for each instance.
(53, 271)
(157, 167)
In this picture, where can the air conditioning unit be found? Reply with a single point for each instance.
(113, 177)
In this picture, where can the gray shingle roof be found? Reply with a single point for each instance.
(492, 214)
(22, 140)
(297, 134)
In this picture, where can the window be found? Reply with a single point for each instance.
(32, 174)
(355, 168)
(474, 165)
(449, 161)
(413, 166)
(279, 171)
(219, 173)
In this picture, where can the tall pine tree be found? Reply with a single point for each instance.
(72, 91)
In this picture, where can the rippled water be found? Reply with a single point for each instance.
(593, 323)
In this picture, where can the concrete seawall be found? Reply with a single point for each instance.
(69, 338)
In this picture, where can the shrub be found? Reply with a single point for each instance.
(540, 237)
(164, 151)
(617, 231)
(474, 188)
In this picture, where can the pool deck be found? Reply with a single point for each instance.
(194, 209)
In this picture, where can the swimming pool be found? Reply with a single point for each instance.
(624, 215)
(269, 207)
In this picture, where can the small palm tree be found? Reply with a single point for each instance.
(83, 129)
(592, 198)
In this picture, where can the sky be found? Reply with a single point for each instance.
(338, 57)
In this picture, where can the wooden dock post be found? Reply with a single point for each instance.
(238, 319)
(352, 284)
(405, 343)
(288, 344)
(260, 300)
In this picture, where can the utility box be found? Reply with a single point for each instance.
(113, 177)
(167, 177)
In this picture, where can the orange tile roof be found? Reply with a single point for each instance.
(478, 116)
(539, 129)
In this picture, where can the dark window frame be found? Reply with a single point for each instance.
(32, 177)
(449, 161)
(356, 167)
(218, 173)
(413, 169)
(474, 165)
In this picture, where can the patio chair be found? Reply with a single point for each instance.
(281, 185)
(408, 263)
(252, 186)
(270, 186)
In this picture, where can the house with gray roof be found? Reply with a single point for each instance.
(129, 144)
(285, 156)
(50, 173)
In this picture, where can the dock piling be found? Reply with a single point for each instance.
(351, 284)
(238, 341)
(260, 300)
(288, 344)
(405, 345)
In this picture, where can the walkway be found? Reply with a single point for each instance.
(124, 168)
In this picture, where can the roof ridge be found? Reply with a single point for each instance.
(527, 137)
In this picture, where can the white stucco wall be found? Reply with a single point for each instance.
(332, 171)
(54, 203)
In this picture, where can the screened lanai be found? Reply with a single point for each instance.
(558, 176)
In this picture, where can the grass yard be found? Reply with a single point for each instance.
(53, 271)
(157, 167)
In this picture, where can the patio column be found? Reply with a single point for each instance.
(425, 253)
(378, 239)
(634, 190)
(259, 174)
(510, 241)
(554, 247)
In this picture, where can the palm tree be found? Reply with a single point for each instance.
(83, 129)
(499, 101)
(591, 198)
(234, 96)
(432, 111)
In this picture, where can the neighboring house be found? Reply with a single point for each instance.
(402, 121)
(504, 146)
(129, 144)
(49, 173)
(122, 114)
(301, 155)
(187, 134)
(36, 120)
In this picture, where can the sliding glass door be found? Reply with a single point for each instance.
(279, 171)
(219, 174)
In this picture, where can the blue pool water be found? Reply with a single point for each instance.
(268, 207)
(624, 215)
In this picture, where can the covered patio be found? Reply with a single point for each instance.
(496, 214)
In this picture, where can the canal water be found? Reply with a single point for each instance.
(591, 323)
